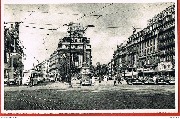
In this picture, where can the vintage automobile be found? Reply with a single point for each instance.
(161, 81)
(86, 78)
(172, 81)
(95, 78)
(51, 78)
(19, 81)
(5, 80)
(149, 81)
(12, 81)
(86, 82)
(134, 81)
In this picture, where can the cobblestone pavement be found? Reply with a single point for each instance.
(104, 95)
(104, 85)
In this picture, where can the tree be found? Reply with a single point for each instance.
(104, 69)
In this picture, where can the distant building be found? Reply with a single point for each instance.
(74, 49)
(53, 62)
(111, 68)
(120, 58)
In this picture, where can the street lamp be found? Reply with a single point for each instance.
(69, 25)
(85, 44)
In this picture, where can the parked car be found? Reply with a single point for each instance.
(161, 80)
(172, 81)
(51, 78)
(86, 82)
(95, 78)
(149, 81)
(19, 81)
(105, 78)
(12, 81)
(5, 80)
(133, 81)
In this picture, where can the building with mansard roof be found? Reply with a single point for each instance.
(152, 48)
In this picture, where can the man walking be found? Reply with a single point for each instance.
(114, 78)
(119, 80)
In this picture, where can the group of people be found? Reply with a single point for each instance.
(117, 79)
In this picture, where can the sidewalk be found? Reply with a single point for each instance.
(65, 86)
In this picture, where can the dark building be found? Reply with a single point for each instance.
(13, 51)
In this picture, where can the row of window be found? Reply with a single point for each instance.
(75, 40)
(151, 30)
(170, 21)
(169, 58)
(168, 11)
(147, 44)
(148, 60)
(166, 36)
(73, 46)
(146, 51)
(167, 42)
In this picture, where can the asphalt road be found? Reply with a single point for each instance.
(103, 96)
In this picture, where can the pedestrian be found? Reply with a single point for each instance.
(31, 81)
(114, 80)
(60, 78)
(119, 80)
(100, 78)
(66, 78)
(154, 78)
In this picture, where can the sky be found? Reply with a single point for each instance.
(40, 43)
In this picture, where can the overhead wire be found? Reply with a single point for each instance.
(32, 27)
(83, 16)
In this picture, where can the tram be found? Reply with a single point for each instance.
(31, 77)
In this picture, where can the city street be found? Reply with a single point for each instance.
(72, 56)
(104, 96)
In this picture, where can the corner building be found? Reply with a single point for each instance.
(74, 50)
(151, 49)
(155, 44)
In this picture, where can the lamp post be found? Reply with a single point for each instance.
(70, 58)
(85, 44)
